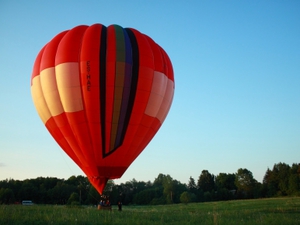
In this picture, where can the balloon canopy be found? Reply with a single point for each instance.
(102, 93)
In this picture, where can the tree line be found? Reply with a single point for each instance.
(281, 180)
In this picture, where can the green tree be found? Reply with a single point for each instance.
(61, 192)
(270, 184)
(128, 190)
(294, 180)
(178, 189)
(283, 177)
(225, 186)
(280, 180)
(171, 188)
(82, 185)
(6, 196)
(185, 197)
(159, 180)
(192, 186)
(245, 183)
(28, 191)
(73, 199)
(224, 180)
(146, 196)
(206, 181)
(93, 196)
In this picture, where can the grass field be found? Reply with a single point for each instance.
(262, 211)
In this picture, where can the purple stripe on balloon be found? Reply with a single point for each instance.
(126, 89)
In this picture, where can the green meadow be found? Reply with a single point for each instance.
(260, 211)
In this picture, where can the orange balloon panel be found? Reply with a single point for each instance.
(103, 93)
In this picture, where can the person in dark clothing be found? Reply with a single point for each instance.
(120, 206)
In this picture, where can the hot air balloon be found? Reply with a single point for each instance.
(102, 93)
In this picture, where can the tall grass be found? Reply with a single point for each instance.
(263, 211)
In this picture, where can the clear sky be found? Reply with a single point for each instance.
(237, 84)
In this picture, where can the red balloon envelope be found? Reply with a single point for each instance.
(103, 93)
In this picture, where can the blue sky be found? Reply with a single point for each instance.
(237, 79)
